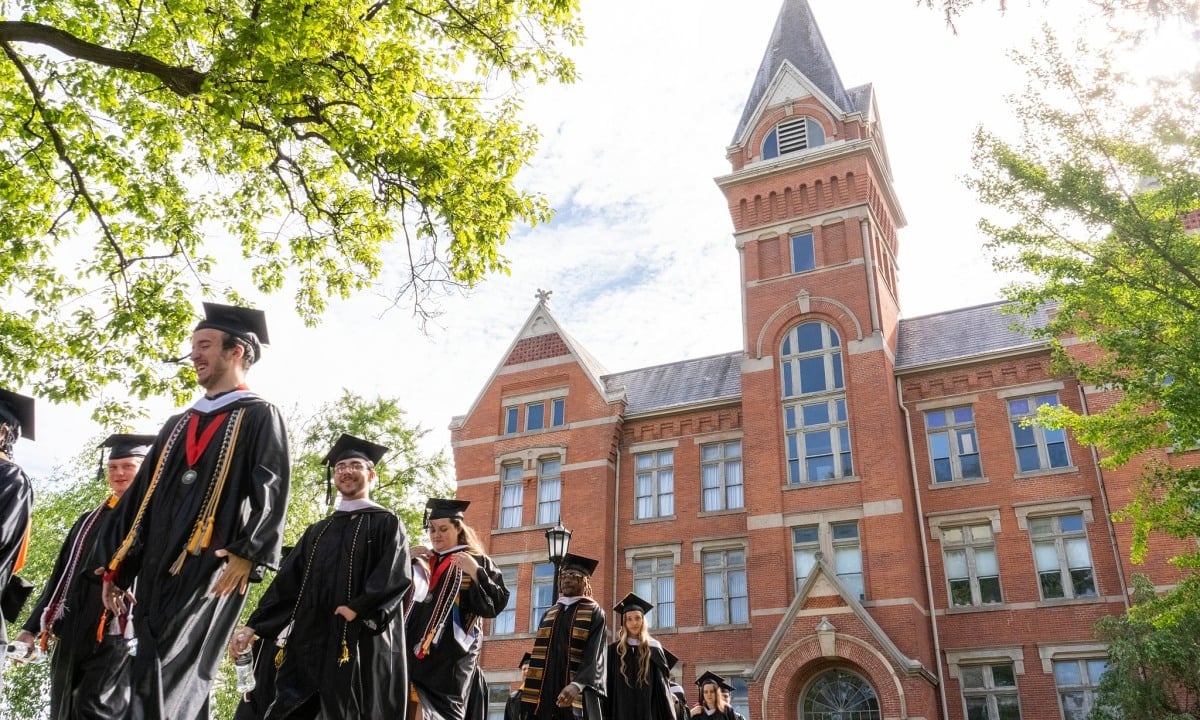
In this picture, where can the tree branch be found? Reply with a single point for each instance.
(183, 81)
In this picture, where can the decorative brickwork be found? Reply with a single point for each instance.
(541, 347)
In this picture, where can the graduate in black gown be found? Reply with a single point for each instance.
(16, 502)
(712, 703)
(638, 668)
(89, 676)
(455, 586)
(332, 613)
(567, 676)
(512, 706)
(206, 511)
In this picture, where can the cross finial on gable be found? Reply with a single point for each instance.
(543, 296)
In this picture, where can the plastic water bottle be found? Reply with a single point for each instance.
(244, 664)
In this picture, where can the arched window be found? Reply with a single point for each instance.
(793, 135)
(816, 425)
(839, 695)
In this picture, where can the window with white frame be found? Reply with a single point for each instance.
(726, 600)
(1037, 447)
(558, 412)
(793, 135)
(497, 699)
(512, 495)
(654, 484)
(972, 571)
(510, 420)
(541, 593)
(535, 416)
(990, 692)
(721, 476)
(505, 623)
(953, 445)
(654, 580)
(838, 541)
(549, 490)
(804, 256)
(1062, 556)
(1078, 683)
(816, 426)
(739, 697)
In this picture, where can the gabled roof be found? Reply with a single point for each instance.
(795, 39)
(687, 382)
(964, 333)
(822, 581)
(540, 324)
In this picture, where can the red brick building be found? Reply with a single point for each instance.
(845, 515)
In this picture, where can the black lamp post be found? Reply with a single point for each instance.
(558, 542)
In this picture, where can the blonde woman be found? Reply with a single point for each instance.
(638, 668)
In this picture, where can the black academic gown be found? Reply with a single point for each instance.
(590, 674)
(512, 706)
(16, 505)
(358, 559)
(447, 676)
(88, 679)
(629, 701)
(181, 628)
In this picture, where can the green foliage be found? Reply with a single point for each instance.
(1153, 10)
(144, 145)
(1153, 656)
(1093, 196)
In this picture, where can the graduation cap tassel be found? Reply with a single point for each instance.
(279, 658)
(100, 470)
(345, 657)
(328, 486)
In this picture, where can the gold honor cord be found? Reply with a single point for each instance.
(202, 531)
(279, 655)
(131, 536)
(345, 656)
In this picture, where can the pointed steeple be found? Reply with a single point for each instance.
(796, 39)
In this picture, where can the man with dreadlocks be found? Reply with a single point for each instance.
(566, 678)
(89, 675)
(333, 609)
(16, 505)
(205, 513)
(638, 677)
(455, 586)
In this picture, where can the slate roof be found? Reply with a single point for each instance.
(679, 383)
(963, 333)
(797, 39)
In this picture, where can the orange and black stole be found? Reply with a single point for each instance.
(581, 627)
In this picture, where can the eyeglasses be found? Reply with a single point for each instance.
(571, 575)
(350, 466)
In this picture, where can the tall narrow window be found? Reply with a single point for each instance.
(739, 697)
(953, 447)
(721, 475)
(804, 257)
(1078, 683)
(541, 593)
(558, 412)
(1038, 447)
(990, 692)
(505, 623)
(654, 484)
(511, 496)
(972, 573)
(726, 600)
(847, 557)
(654, 580)
(535, 416)
(816, 425)
(510, 421)
(1062, 556)
(549, 490)
(806, 543)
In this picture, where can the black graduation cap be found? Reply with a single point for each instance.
(244, 323)
(124, 445)
(347, 447)
(578, 562)
(633, 602)
(17, 410)
(525, 659)
(672, 660)
(710, 676)
(444, 509)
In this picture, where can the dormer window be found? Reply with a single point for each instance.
(793, 135)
